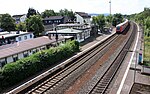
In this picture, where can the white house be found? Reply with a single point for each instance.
(14, 36)
(79, 35)
(19, 18)
(23, 18)
(83, 18)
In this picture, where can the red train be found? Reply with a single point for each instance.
(120, 27)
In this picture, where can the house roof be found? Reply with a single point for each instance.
(63, 25)
(12, 34)
(83, 14)
(65, 31)
(53, 18)
(18, 16)
(26, 45)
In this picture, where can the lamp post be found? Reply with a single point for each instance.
(56, 36)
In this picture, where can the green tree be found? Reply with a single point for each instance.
(109, 18)
(99, 21)
(147, 26)
(7, 22)
(35, 24)
(21, 27)
(117, 19)
(48, 13)
(68, 13)
(31, 12)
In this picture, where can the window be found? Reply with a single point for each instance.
(25, 54)
(30, 35)
(34, 51)
(19, 38)
(25, 37)
(15, 58)
(2, 62)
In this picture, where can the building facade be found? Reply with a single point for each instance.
(14, 36)
(27, 48)
(79, 35)
(83, 18)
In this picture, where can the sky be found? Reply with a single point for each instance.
(16, 7)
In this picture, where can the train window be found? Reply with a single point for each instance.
(118, 28)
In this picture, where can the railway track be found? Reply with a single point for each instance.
(53, 81)
(102, 84)
(49, 84)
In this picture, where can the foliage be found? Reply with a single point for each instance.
(21, 26)
(31, 12)
(35, 24)
(109, 18)
(48, 13)
(68, 13)
(15, 72)
(147, 51)
(100, 21)
(117, 19)
(143, 19)
(7, 22)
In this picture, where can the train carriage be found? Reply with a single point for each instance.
(120, 27)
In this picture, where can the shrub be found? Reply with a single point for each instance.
(15, 72)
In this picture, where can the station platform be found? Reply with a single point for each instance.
(92, 41)
(131, 72)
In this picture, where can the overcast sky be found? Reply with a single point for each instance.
(89, 6)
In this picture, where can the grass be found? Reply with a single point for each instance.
(147, 51)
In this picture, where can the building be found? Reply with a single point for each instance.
(79, 35)
(83, 18)
(52, 21)
(14, 36)
(27, 48)
(73, 25)
(19, 18)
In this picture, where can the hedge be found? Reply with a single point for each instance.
(15, 72)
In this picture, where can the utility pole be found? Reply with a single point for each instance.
(110, 6)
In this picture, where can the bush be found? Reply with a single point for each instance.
(15, 72)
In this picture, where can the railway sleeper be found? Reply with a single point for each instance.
(106, 79)
(45, 87)
(53, 81)
(98, 91)
(48, 84)
(37, 92)
(41, 89)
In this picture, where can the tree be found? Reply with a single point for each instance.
(117, 19)
(109, 18)
(100, 21)
(35, 24)
(21, 26)
(48, 13)
(31, 12)
(68, 13)
(7, 22)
